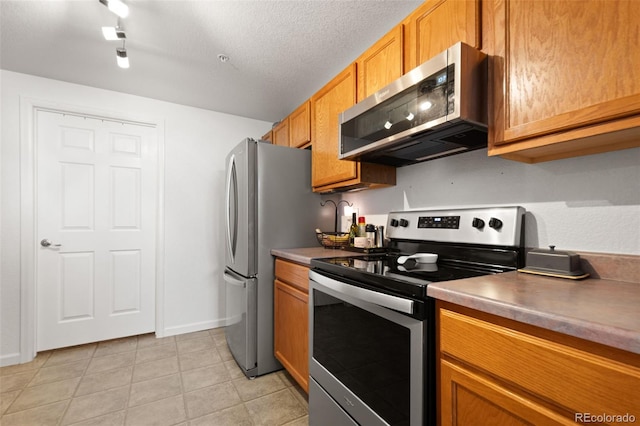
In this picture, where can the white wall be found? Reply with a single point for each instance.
(589, 203)
(196, 143)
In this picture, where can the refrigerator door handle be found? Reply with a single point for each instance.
(232, 208)
(228, 278)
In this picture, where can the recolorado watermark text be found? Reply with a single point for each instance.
(604, 418)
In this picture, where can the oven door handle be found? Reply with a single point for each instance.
(382, 299)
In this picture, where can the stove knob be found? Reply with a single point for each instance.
(477, 223)
(404, 223)
(394, 222)
(495, 223)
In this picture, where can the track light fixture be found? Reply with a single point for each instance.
(121, 56)
(113, 33)
(117, 7)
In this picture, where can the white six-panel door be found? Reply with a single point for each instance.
(96, 192)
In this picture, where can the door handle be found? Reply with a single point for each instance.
(234, 281)
(47, 243)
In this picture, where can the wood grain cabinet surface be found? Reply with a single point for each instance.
(300, 126)
(281, 133)
(437, 25)
(291, 319)
(328, 172)
(497, 371)
(268, 136)
(381, 64)
(564, 77)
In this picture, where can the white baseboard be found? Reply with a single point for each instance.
(10, 359)
(190, 328)
(14, 358)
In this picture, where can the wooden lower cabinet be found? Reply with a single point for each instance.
(291, 319)
(494, 371)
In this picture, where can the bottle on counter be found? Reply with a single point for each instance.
(362, 227)
(371, 235)
(353, 230)
(380, 236)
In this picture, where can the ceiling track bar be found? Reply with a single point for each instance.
(96, 117)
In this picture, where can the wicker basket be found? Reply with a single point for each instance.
(335, 240)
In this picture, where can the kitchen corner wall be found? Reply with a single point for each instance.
(196, 144)
(589, 203)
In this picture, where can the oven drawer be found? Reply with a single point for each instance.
(325, 409)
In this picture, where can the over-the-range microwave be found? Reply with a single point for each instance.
(435, 110)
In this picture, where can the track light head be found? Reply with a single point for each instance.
(117, 7)
(113, 33)
(123, 59)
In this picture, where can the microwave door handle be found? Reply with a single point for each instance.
(381, 299)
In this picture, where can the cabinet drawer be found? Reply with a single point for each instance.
(573, 379)
(293, 274)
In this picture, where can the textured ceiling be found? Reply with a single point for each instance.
(281, 52)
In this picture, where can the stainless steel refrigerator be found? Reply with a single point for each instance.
(269, 204)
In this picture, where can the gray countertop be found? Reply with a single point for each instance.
(597, 310)
(304, 255)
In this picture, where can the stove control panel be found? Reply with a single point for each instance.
(487, 225)
(449, 222)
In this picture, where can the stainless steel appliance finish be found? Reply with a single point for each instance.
(375, 317)
(435, 110)
(269, 204)
(499, 226)
(372, 325)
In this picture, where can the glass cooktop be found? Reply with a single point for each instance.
(384, 272)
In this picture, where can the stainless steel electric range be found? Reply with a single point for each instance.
(371, 323)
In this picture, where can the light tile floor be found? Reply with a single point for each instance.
(190, 379)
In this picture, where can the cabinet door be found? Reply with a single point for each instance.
(381, 64)
(291, 322)
(438, 25)
(268, 136)
(532, 372)
(338, 95)
(300, 126)
(281, 133)
(470, 399)
(564, 78)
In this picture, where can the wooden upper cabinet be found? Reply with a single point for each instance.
(564, 77)
(437, 25)
(381, 64)
(300, 126)
(281, 133)
(338, 95)
(268, 136)
(327, 171)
